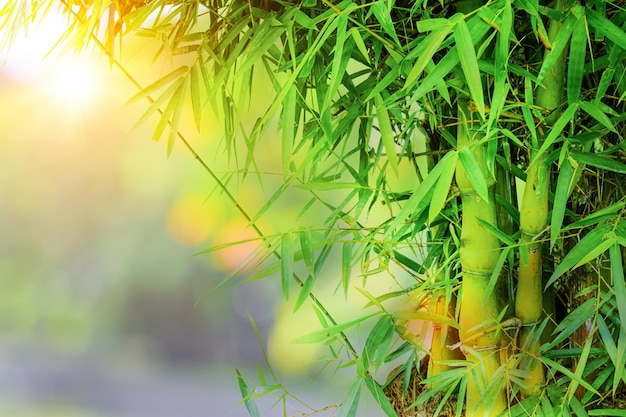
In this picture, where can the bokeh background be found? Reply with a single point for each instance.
(103, 309)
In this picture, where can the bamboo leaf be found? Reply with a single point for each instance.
(605, 27)
(576, 64)
(351, 402)
(418, 200)
(177, 102)
(495, 275)
(386, 133)
(430, 44)
(442, 189)
(288, 128)
(608, 212)
(592, 240)
(426, 316)
(557, 129)
(331, 331)
(383, 15)
(360, 44)
(248, 402)
(469, 64)
(346, 266)
(503, 237)
(195, 87)
(557, 366)
(619, 286)
(379, 396)
(558, 46)
(160, 83)
(474, 173)
(305, 291)
(378, 341)
(340, 60)
(306, 245)
(286, 262)
(561, 197)
(580, 367)
(595, 110)
(598, 161)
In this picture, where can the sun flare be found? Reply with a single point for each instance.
(73, 83)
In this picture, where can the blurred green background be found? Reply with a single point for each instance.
(103, 310)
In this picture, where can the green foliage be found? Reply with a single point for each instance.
(365, 96)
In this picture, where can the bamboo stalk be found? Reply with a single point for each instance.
(533, 221)
(444, 337)
(479, 253)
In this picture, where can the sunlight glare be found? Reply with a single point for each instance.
(73, 82)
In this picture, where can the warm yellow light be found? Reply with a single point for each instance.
(73, 83)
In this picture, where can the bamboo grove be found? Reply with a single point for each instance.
(506, 116)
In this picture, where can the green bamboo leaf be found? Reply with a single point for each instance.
(596, 251)
(561, 197)
(426, 316)
(434, 24)
(379, 396)
(330, 331)
(474, 173)
(308, 251)
(331, 185)
(288, 128)
(592, 240)
(351, 402)
(557, 129)
(606, 27)
(604, 412)
(558, 46)
(165, 116)
(177, 111)
(156, 104)
(595, 110)
(286, 262)
(386, 133)
(383, 15)
(576, 64)
(606, 213)
(580, 368)
(430, 45)
(305, 291)
(598, 161)
(495, 275)
(469, 64)
(195, 88)
(557, 366)
(346, 266)
(418, 200)
(620, 362)
(378, 341)
(340, 60)
(619, 286)
(174, 76)
(503, 237)
(246, 395)
(442, 189)
(360, 44)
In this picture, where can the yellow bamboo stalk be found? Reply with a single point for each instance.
(479, 253)
(533, 221)
(444, 337)
(529, 300)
